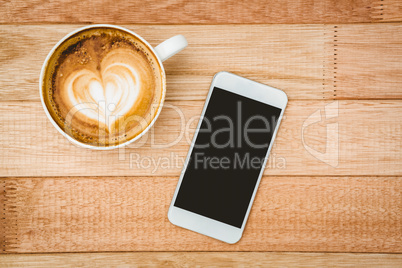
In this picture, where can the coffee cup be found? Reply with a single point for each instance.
(103, 86)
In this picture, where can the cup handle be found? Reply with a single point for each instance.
(171, 46)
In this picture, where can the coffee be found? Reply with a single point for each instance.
(103, 86)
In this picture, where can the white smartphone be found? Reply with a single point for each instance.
(227, 157)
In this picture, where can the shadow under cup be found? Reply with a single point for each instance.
(102, 87)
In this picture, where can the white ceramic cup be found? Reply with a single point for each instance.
(162, 52)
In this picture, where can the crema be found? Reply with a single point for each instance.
(103, 86)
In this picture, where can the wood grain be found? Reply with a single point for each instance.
(365, 63)
(298, 59)
(196, 12)
(306, 204)
(339, 214)
(369, 142)
(202, 259)
(258, 52)
(388, 10)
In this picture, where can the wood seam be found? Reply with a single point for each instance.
(3, 216)
(335, 33)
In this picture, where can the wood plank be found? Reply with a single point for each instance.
(196, 12)
(336, 214)
(260, 52)
(367, 142)
(202, 259)
(387, 10)
(296, 58)
(365, 63)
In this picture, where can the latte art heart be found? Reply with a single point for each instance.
(104, 86)
(107, 96)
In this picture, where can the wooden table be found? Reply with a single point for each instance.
(333, 182)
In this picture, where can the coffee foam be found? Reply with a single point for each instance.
(104, 86)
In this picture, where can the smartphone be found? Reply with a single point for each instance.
(227, 157)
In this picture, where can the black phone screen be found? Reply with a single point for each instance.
(227, 157)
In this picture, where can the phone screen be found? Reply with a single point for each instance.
(227, 157)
